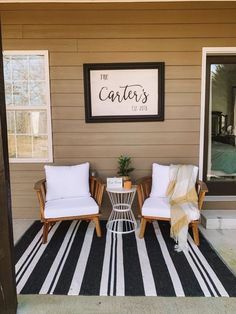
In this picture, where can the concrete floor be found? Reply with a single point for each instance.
(222, 240)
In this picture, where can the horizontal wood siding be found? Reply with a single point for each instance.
(174, 33)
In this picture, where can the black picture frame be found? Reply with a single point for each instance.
(139, 98)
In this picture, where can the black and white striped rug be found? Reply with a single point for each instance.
(76, 262)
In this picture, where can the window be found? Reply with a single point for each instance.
(26, 76)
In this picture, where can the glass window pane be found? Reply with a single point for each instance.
(11, 122)
(8, 93)
(7, 67)
(19, 68)
(222, 122)
(39, 122)
(24, 146)
(23, 122)
(11, 146)
(36, 68)
(40, 146)
(20, 94)
(37, 93)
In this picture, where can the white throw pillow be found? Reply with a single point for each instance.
(67, 181)
(160, 180)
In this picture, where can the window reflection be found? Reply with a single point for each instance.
(222, 122)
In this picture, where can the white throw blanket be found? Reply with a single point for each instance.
(183, 199)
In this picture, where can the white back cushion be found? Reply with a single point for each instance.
(67, 181)
(160, 180)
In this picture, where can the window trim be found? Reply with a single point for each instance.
(48, 105)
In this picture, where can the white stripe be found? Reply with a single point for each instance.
(208, 268)
(29, 250)
(179, 291)
(30, 267)
(120, 284)
(197, 275)
(59, 259)
(105, 267)
(82, 261)
(113, 265)
(148, 280)
(204, 273)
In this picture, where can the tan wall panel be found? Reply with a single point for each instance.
(183, 99)
(119, 6)
(132, 31)
(139, 163)
(120, 16)
(66, 72)
(77, 139)
(152, 44)
(11, 31)
(63, 100)
(70, 126)
(134, 151)
(170, 58)
(40, 44)
(67, 86)
(75, 113)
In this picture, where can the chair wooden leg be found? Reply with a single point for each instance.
(97, 226)
(195, 233)
(45, 232)
(142, 227)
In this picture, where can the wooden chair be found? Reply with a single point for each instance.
(143, 191)
(96, 190)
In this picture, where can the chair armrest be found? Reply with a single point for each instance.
(40, 188)
(143, 190)
(202, 190)
(97, 189)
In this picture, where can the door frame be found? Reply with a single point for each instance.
(210, 51)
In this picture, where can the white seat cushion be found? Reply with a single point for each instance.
(160, 207)
(67, 181)
(71, 207)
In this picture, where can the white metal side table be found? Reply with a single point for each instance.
(121, 219)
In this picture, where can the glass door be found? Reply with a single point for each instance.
(220, 126)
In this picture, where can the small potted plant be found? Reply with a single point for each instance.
(124, 169)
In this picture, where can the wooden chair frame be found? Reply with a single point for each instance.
(96, 190)
(143, 191)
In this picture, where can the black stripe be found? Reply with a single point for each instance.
(188, 280)
(65, 279)
(26, 239)
(63, 257)
(37, 277)
(93, 272)
(226, 277)
(132, 269)
(161, 276)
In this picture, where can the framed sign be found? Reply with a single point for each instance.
(122, 92)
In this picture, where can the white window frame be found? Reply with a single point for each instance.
(210, 51)
(47, 108)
